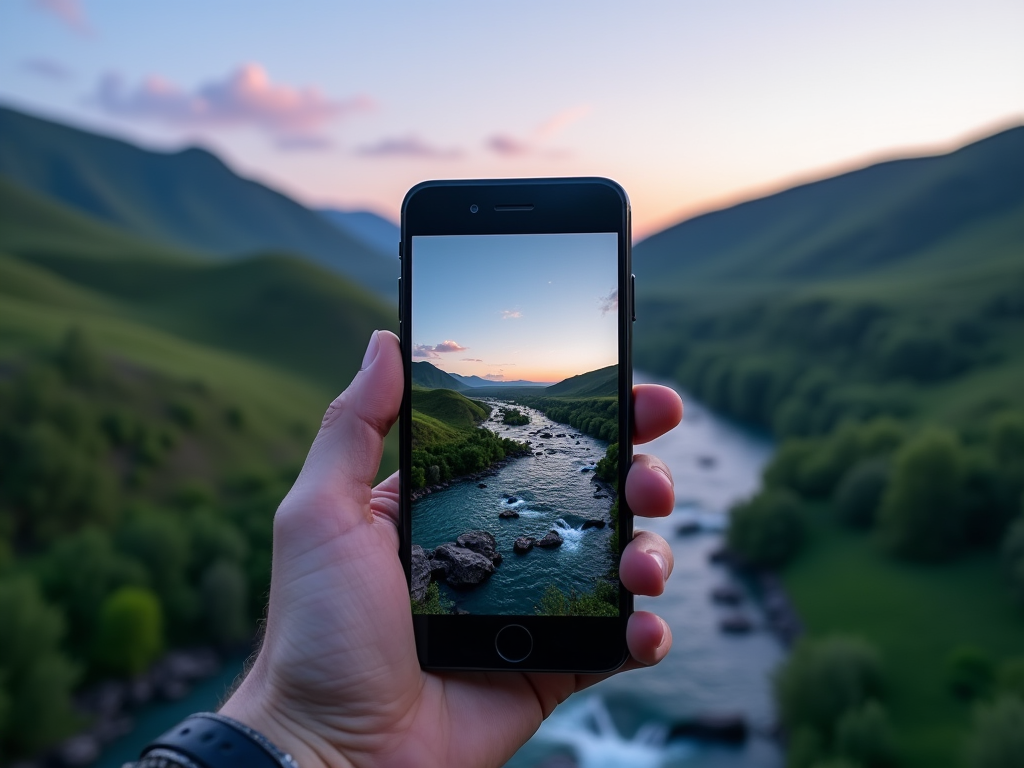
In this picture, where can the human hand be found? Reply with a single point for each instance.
(337, 682)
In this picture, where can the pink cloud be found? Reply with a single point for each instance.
(425, 350)
(408, 146)
(495, 376)
(511, 314)
(68, 11)
(609, 303)
(510, 146)
(294, 117)
(472, 360)
(450, 346)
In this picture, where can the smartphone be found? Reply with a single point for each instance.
(516, 313)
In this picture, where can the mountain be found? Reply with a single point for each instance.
(188, 199)
(603, 382)
(431, 377)
(896, 215)
(477, 381)
(368, 228)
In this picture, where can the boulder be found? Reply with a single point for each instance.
(508, 513)
(438, 568)
(482, 543)
(523, 544)
(726, 594)
(481, 485)
(464, 568)
(726, 728)
(420, 568)
(551, 539)
(593, 524)
(735, 624)
(512, 499)
(546, 435)
(688, 528)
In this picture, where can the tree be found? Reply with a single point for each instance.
(823, 680)
(768, 530)
(129, 634)
(860, 492)
(36, 679)
(923, 513)
(865, 736)
(223, 593)
(1013, 558)
(969, 672)
(997, 738)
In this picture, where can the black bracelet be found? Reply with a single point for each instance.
(212, 740)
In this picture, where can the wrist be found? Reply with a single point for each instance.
(255, 705)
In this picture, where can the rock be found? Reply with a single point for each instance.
(707, 461)
(82, 750)
(546, 435)
(600, 495)
(577, 442)
(585, 470)
(523, 544)
(482, 543)
(551, 539)
(688, 528)
(562, 435)
(735, 624)
(420, 569)
(593, 524)
(719, 555)
(465, 568)
(726, 594)
(551, 450)
(508, 513)
(512, 499)
(438, 568)
(481, 485)
(540, 453)
(726, 728)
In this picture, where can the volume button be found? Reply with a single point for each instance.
(632, 296)
(399, 299)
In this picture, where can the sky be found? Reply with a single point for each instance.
(509, 307)
(689, 105)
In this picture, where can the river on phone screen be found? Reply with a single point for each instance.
(553, 489)
(627, 720)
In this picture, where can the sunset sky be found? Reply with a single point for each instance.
(689, 105)
(510, 307)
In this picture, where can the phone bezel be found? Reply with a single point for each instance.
(520, 206)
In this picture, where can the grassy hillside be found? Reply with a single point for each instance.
(187, 198)
(431, 377)
(450, 407)
(600, 383)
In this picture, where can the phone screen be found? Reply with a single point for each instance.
(515, 423)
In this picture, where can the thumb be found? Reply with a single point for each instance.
(345, 455)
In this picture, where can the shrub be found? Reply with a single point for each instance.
(923, 513)
(1010, 679)
(969, 672)
(602, 601)
(129, 635)
(1013, 559)
(997, 737)
(823, 680)
(434, 603)
(865, 736)
(860, 492)
(767, 531)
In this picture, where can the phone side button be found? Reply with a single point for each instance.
(632, 295)
(400, 300)
(514, 643)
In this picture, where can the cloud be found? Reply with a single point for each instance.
(511, 314)
(432, 352)
(293, 117)
(507, 145)
(68, 11)
(48, 68)
(408, 146)
(472, 360)
(494, 376)
(609, 303)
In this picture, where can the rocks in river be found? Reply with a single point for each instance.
(736, 624)
(511, 499)
(600, 495)
(508, 513)
(728, 728)
(550, 540)
(707, 462)
(577, 442)
(688, 528)
(481, 485)
(420, 573)
(540, 453)
(585, 470)
(546, 435)
(523, 545)
(482, 543)
(592, 524)
(550, 450)
(726, 594)
(562, 435)
(465, 568)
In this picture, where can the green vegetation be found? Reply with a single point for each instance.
(129, 633)
(447, 442)
(768, 530)
(434, 604)
(603, 600)
(513, 417)
(594, 416)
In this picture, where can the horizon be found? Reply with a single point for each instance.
(674, 128)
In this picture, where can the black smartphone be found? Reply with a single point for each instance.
(516, 310)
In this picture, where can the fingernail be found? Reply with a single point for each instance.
(371, 351)
(660, 559)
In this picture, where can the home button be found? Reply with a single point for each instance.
(514, 643)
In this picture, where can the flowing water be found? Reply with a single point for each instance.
(625, 721)
(550, 490)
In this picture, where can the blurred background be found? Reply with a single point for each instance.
(198, 232)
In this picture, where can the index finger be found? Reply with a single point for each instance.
(656, 410)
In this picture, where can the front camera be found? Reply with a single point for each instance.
(474, 208)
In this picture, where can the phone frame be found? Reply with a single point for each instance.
(520, 206)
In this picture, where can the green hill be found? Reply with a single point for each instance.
(449, 407)
(431, 377)
(189, 198)
(603, 382)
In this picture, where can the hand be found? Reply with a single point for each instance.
(337, 682)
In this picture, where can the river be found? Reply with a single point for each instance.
(623, 721)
